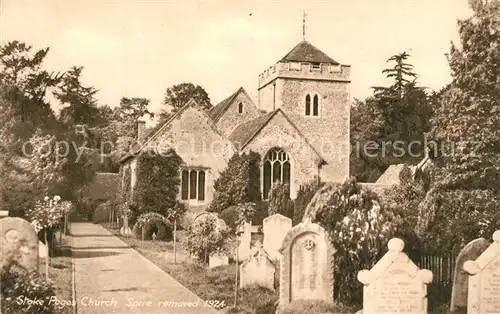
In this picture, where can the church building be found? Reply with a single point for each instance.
(299, 126)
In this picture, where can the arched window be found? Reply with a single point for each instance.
(277, 167)
(308, 105)
(240, 107)
(316, 106)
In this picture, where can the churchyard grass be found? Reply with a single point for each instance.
(60, 272)
(209, 284)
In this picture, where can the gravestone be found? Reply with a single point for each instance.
(275, 228)
(217, 260)
(484, 280)
(305, 266)
(245, 239)
(395, 284)
(461, 278)
(19, 236)
(4, 213)
(258, 269)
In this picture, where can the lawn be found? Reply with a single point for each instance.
(60, 273)
(215, 284)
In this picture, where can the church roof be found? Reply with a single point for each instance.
(245, 132)
(216, 112)
(306, 52)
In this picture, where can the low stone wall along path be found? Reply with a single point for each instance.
(111, 277)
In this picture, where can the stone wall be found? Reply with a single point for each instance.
(231, 118)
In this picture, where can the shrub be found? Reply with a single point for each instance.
(158, 180)
(238, 183)
(304, 197)
(103, 211)
(153, 222)
(279, 200)
(19, 282)
(359, 229)
(206, 236)
(230, 216)
(261, 212)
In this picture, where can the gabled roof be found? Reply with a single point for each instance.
(245, 132)
(306, 52)
(157, 131)
(217, 111)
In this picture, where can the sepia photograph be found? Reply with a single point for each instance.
(250, 157)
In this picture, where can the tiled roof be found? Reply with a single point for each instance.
(216, 112)
(104, 186)
(244, 132)
(305, 52)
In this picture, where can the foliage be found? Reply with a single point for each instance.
(177, 212)
(261, 213)
(178, 95)
(17, 282)
(80, 100)
(145, 219)
(280, 201)
(162, 224)
(359, 229)
(48, 213)
(134, 108)
(462, 201)
(237, 184)
(384, 125)
(206, 236)
(103, 211)
(231, 217)
(158, 180)
(304, 197)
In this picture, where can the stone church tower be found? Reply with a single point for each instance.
(312, 89)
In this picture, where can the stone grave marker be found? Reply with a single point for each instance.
(258, 269)
(305, 268)
(395, 284)
(484, 280)
(275, 228)
(216, 260)
(42, 250)
(245, 239)
(18, 235)
(461, 278)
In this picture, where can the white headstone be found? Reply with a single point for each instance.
(275, 228)
(484, 280)
(258, 269)
(42, 250)
(395, 284)
(217, 260)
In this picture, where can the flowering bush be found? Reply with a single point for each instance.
(153, 223)
(18, 282)
(206, 236)
(102, 212)
(359, 229)
(48, 212)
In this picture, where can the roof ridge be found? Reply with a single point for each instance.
(226, 103)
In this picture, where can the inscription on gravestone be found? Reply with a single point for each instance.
(19, 237)
(484, 280)
(395, 284)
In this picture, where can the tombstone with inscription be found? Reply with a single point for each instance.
(216, 260)
(19, 238)
(484, 280)
(305, 266)
(258, 269)
(461, 278)
(395, 284)
(275, 228)
(245, 240)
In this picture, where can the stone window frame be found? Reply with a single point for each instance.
(198, 196)
(314, 105)
(291, 176)
(240, 108)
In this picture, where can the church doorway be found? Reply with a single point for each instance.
(276, 168)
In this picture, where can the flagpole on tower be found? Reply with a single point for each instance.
(304, 25)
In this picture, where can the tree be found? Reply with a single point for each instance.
(174, 214)
(462, 201)
(134, 108)
(80, 100)
(280, 201)
(178, 95)
(237, 184)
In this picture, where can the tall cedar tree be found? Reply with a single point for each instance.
(463, 200)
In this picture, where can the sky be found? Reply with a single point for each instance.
(140, 48)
